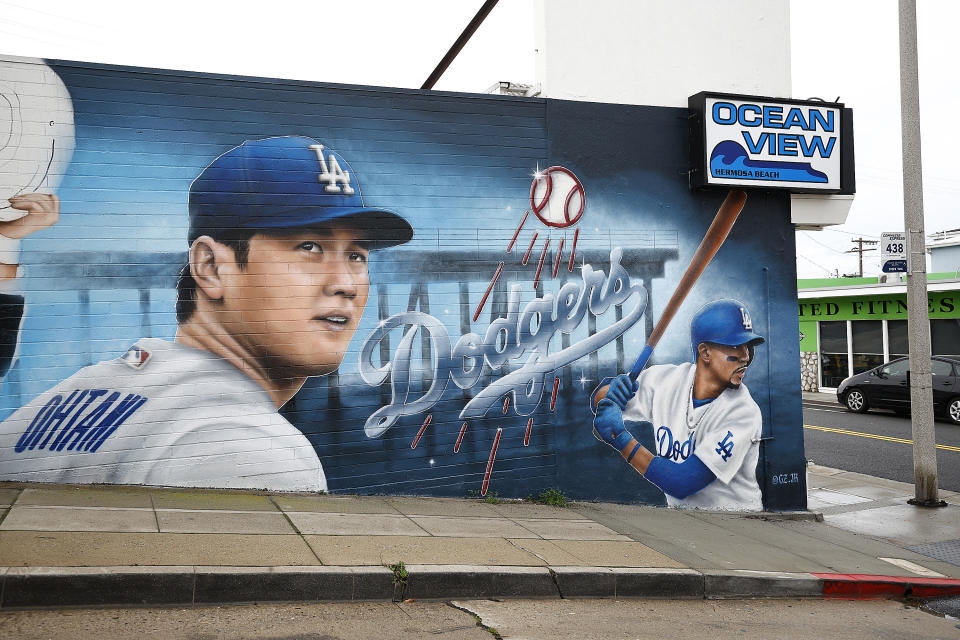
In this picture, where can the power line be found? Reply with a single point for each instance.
(850, 233)
(814, 263)
(825, 246)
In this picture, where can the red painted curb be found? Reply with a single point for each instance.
(866, 587)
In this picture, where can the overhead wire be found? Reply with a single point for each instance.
(819, 266)
(825, 246)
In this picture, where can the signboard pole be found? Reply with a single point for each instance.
(918, 323)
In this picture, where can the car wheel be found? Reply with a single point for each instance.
(953, 411)
(856, 401)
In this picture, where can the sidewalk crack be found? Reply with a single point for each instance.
(3, 516)
(556, 583)
(156, 517)
(479, 620)
(295, 528)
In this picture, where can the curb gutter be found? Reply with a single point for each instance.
(25, 587)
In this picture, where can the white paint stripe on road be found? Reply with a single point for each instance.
(827, 410)
(913, 567)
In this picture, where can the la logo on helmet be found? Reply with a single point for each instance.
(331, 173)
(747, 323)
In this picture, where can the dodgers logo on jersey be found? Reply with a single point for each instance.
(725, 446)
(672, 449)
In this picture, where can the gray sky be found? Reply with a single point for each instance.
(845, 48)
(850, 48)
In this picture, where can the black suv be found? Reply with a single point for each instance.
(888, 387)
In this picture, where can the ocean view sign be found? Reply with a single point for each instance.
(748, 141)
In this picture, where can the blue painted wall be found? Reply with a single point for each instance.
(459, 168)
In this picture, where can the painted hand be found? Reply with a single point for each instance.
(608, 425)
(621, 390)
(42, 211)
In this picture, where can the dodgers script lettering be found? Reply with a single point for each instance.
(508, 338)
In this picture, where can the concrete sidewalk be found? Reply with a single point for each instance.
(91, 545)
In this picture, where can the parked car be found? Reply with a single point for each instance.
(888, 387)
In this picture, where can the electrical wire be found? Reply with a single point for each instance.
(850, 233)
(819, 266)
(807, 235)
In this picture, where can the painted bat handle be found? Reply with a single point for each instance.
(601, 391)
(641, 362)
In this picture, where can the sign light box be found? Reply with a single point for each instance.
(800, 146)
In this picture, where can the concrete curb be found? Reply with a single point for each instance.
(824, 402)
(27, 587)
(760, 584)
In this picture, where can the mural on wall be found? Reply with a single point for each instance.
(233, 311)
(36, 144)
(273, 290)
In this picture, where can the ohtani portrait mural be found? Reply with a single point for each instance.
(205, 296)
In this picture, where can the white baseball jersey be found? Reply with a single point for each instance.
(724, 434)
(161, 414)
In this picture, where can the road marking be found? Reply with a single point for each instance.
(913, 567)
(845, 432)
(814, 408)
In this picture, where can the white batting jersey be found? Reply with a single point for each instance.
(724, 434)
(161, 414)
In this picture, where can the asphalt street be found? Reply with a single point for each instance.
(487, 619)
(872, 443)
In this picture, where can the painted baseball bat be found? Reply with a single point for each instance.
(711, 243)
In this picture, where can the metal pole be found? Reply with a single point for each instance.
(459, 44)
(918, 323)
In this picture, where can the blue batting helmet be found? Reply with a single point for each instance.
(725, 322)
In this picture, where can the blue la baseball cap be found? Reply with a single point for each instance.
(286, 182)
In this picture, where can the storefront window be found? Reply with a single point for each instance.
(897, 339)
(867, 344)
(833, 353)
(945, 337)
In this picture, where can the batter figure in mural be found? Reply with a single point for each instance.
(705, 425)
(274, 288)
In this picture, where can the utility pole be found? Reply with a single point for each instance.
(860, 242)
(918, 323)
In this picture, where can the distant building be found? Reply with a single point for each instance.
(849, 325)
(944, 250)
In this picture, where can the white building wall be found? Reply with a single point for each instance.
(944, 258)
(659, 52)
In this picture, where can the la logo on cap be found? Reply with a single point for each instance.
(331, 173)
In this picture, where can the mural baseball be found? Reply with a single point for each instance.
(207, 297)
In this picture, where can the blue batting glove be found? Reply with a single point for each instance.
(593, 394)
(608, 425)
(621, 390)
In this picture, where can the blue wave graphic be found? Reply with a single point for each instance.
(729, 160)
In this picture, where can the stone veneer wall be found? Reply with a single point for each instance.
(809, 371)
